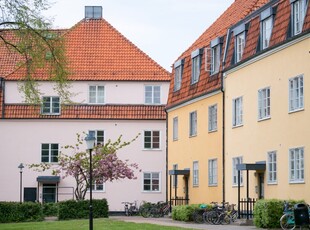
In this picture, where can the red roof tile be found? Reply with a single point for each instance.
(103, 112)
(95, 51)
(237, 11)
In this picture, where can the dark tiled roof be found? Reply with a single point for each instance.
(280, 32)
(95, 51)
(102, 112)
(237, 11)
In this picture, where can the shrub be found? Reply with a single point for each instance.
(20, 212)
(50, 209)
(184, 212)
(72, 209)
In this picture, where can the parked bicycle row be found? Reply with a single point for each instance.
(215, 213)
(295, 215)
(147, 209)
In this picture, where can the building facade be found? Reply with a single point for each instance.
(118, 90)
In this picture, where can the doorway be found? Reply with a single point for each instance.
(49, 193)
(261, 191)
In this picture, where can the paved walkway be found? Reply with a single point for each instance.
(169, 222)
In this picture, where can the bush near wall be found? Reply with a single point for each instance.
(267, 213)
(20, 212)
(50, 209)
(72, 209)
(184, 212)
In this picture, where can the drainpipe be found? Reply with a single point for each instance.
(2, 91)
(223, 114)
(167, 157)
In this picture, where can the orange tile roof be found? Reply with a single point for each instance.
(237, 11)
(106, 112)
(95, 51)
(279, 34)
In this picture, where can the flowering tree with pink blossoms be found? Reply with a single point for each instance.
(105, 163)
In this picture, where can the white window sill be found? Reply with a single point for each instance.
(297, 182)
(296, 110)
(237, 126)
(272, 183)
(212, 131)
(264, 119)
(152, 150)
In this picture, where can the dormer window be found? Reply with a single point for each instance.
(266, 18)
(93, 12)
(240, 33)
(298, 15)
(213, 56)
(178, 73)
(50, 106)
(196, 64)
(96, 94)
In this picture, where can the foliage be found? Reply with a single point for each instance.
(26, 33)
(50, 209)
(20, 212)
(105, 164)
(72, 209)
(184, 212)
(267, 213)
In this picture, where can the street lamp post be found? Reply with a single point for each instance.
(20, 166)
(90, 142)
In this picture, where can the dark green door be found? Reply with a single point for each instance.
(49, 193)
(30, 194)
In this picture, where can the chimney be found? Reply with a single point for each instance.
(93, 12)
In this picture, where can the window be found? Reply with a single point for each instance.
(151, 139)
(49, 153)
(264, 103)
(178, 72)
(98, 186)
(236, 161)
(195, 173)
(175, 177)
(237, 112)
(152, 94)
(298, 15)
(272, 167)
(51, 105)
(94, 12)
(96, 94)
(296, 159)
(151, 182)
(266, 29)
(215, 59)
(296, 93)
(196, 64)
(212, 118)
(99, 135)
(240, 43)
(213, 172)
(175, 128)
(193, 124)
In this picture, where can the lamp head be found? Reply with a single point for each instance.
(21, 166)
(90, 141)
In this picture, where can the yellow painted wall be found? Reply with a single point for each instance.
(281, 132)
(200, 148)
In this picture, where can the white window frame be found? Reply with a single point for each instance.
(237, 113)
(215, 59)
(196, 65)
(178, 73)
(296, 93)
(212, 169)
(51, 107)
(96, 94)
(264, 103)
(96, 133)
(175, 128)
(235, 162)
(152, 141)
(151, 180)
(298, 15)
(296, 165)
(193, 124)
(50, 152)
(266, 31)
(240, 44)
(195, 173)
(152, 94)
(97, 187)
(212, 118)
(272, 176)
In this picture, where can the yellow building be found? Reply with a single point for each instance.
(267, 109)
(195, 118)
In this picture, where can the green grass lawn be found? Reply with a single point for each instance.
(83, 224)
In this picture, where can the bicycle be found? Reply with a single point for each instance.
(287, 220)
(130, 208)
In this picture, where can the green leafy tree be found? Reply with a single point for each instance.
(105, 163)
(39, 50)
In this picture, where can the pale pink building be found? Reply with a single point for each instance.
(118, 90)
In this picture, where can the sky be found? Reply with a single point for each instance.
(163, 29)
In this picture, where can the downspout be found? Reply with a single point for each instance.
(2, 96)
(223, 115)
(167, 157)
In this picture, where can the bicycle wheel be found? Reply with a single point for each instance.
(287, 222)
(197, 216)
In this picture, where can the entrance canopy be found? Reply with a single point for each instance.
(184, 172)
(48, 179)
(257, 166)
